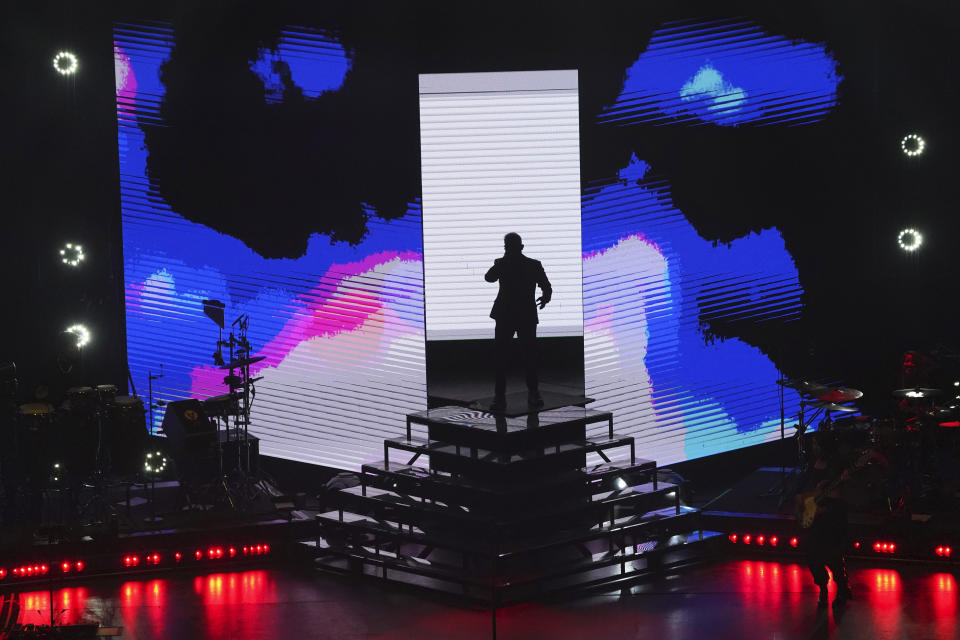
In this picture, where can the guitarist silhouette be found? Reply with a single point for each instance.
(826, 538)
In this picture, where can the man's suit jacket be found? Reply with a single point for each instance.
(519, 276)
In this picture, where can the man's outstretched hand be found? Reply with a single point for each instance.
(542, 301)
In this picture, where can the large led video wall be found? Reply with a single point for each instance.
(341, 326)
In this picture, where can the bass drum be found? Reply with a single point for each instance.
(126, 436)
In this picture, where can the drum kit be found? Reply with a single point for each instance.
(819, 400)
(920, 428)
(231, 411)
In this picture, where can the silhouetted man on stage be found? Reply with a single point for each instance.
(515, 311)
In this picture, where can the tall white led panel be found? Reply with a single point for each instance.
(499, 152)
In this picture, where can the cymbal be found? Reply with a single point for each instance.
(829, 406)
(804, 386)
(242, 362)
(840, 395)
(916, 393)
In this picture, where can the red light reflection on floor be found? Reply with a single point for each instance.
(771, 583)
(943, 596)
(221, 590)
(155, 596)
(35, 607)
(248, 587)
(885, 596)
(70, 606)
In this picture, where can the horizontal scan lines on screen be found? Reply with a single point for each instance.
(483, 120)
(493, 162)
(345, 342)
(478, 172)
(450, 102)
(453, 161)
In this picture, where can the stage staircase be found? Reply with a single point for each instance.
(505, 509)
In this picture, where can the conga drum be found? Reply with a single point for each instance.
(127, 434)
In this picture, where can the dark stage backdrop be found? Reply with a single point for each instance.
(738, 219)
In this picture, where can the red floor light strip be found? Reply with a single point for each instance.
(29, 571)
(133, 560)
(943, 551)
(761, 540)
(884, 547)
(66, 566)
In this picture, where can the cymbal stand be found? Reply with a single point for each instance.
(780, 488)
(239, 490)
(245, 399)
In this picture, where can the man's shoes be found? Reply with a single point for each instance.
(534, 399)
(843, 595)
(824, 598)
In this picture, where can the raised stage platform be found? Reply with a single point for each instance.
(502, 508)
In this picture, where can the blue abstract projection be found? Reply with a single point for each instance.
(727, 73)
(309, 60)
(650, 280)
(647, 279)
(340, 328)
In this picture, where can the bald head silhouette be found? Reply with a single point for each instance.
(512, 243)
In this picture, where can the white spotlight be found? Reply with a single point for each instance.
(912, 145)
(65, 63)
(72, 255)
(909, 239)
(155, 463)
(82, 334)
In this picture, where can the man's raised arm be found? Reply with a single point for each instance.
(493, 273)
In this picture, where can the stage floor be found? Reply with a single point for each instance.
(736, 599)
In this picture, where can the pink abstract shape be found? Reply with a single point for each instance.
(126, 81)
(329, 309)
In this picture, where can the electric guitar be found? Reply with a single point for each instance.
(811, 503)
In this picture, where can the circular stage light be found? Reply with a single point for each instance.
(909, 239)
(155, 463)
(65, 63)
(72, 255)
(912, 144)
(82, 334)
